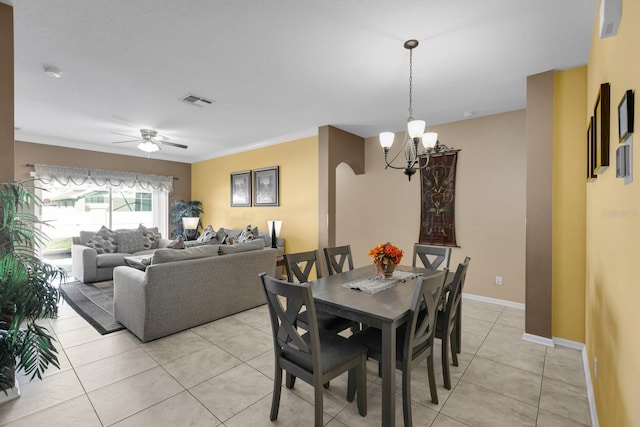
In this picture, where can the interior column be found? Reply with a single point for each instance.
(6, 94)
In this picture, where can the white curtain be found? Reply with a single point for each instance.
(80, 177)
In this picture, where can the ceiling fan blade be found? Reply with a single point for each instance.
(173, 144)
(120, 142)
(124, 134)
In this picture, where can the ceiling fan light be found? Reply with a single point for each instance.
(416, 128)
(386, 139)
(148, 147)
(429, 139)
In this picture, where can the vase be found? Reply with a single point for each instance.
(385, 270)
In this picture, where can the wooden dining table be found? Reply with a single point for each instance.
(385, 310)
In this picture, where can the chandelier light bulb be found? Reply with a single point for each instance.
(386, 139)
(415, 128)
(429, 139)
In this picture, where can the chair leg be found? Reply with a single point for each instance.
(406, 395)
(454, 349)
(361, 376)
(326, 385)
(351, 384)
(432, 379)
(318, 403)
(277, 389)
(291, 380)
(446, 374)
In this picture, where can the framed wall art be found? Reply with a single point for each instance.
(241, 188)
(625, 115)
(266, 186)
(601, 119)
(591, 149)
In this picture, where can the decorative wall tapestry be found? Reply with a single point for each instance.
(438, 185)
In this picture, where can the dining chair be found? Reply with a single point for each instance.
(314, 357)
(298, 267)
(414, 340)
(432, 257)
(447, 322)
(337, 257)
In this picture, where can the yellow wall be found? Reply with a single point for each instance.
(298, 210)
(613, 238)
(569, 201)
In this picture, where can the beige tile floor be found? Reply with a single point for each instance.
(220, 374)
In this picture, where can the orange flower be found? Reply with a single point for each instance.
(386, 253)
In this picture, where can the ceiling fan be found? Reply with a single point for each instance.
(149, 141)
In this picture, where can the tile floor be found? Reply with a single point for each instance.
(220, 374)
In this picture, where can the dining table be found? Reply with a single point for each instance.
(386, 310)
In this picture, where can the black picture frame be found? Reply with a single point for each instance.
(591, 149)
(601, 127)
(625, 115)
(240, 189)
(266, 182)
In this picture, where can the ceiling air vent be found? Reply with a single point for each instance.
(196, 101)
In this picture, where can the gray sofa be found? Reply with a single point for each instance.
(88, 266)
(185, 288)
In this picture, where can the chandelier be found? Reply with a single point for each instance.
(415, 134)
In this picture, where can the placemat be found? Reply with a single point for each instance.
(374, 284)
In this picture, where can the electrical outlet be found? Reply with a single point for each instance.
(595, 368)
(499, 280)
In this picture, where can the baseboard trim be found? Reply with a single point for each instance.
(503, 302)
(14, 393)
(537, 339)
(587, 375)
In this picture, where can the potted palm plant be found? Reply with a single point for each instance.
(27, 292)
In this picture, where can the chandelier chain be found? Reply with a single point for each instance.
(410, 84)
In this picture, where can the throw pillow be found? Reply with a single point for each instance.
(248, 234)
(151, 236)
(207, 234)
(130, 241)
(221, 236)
(177, 244)
(104, 241)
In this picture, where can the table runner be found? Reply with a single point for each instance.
(374, 284)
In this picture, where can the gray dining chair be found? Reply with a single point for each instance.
(414, 341)
(314, 357)
(432, 257)
(447, 322)
(337, 257)
(299, 266)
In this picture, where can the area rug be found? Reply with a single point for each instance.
(94, 302)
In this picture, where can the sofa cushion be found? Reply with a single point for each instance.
(130, 241)
(85, 236)
(111, 260)
(169, 255)
(177, 243)
(104, 241)
(248, 234)
(151, 236)
(250, 245)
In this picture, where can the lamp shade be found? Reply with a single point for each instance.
(190, 222)
(429, 139)
(278, 225)
(386, 139)
(415, 128)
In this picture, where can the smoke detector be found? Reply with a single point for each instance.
(196, 101)
(52, 72)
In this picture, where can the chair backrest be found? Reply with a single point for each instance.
(424, 311)
(455, 292)
(432, 257)
(299, 265)
(286, 338)
(336, 258)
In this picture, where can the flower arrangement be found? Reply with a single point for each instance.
(385, 254)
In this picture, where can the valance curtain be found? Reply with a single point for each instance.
(65, 176)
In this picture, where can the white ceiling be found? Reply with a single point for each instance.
(276, 69)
